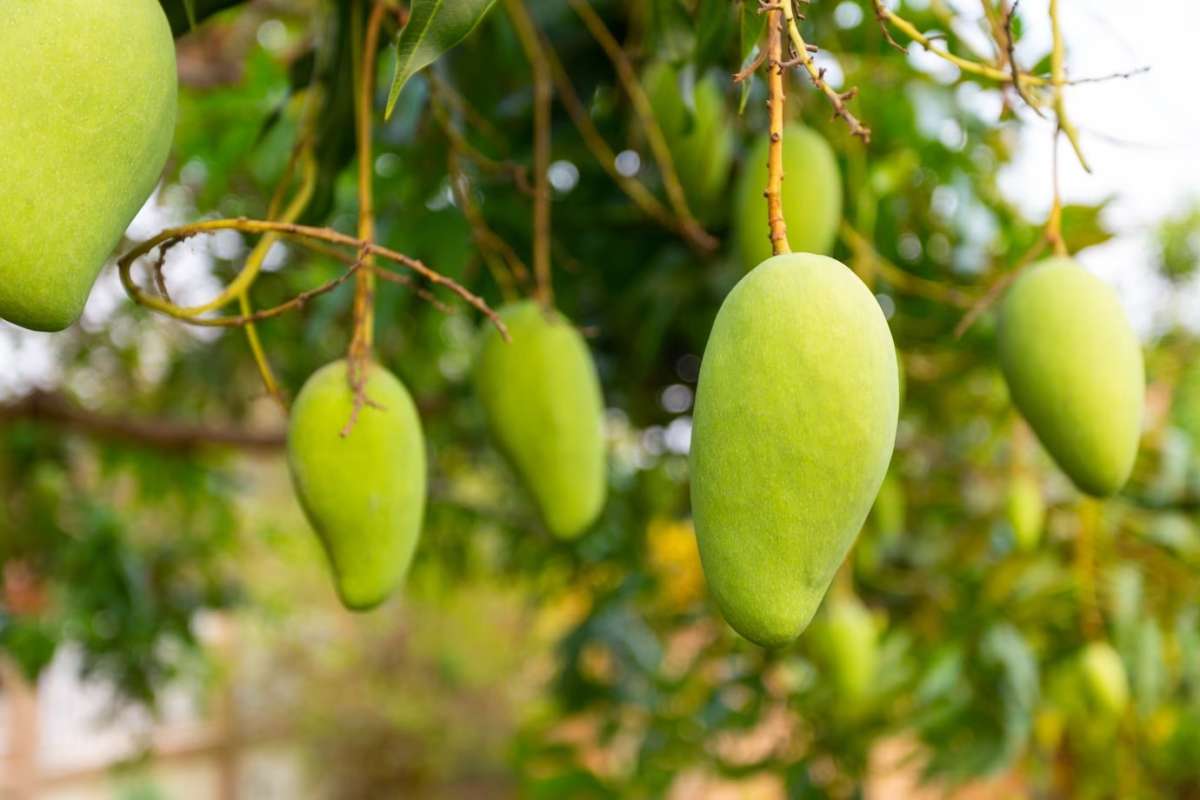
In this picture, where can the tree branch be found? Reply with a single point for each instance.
(53, 408)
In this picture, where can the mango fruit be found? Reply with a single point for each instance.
(363, 493)
(848, 646)
(542, 400)
(700, 134)
(811, 194)
(1026, 511)
(87, 113)
(794, 424)
(1104, 678)
(1074, 369)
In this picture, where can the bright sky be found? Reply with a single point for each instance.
(1141, 135)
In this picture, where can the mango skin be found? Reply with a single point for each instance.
(1074, 369)
(364, 493)
(811, 194)
(87, 114)
(794, 425)
(701, 140)
(542, 400)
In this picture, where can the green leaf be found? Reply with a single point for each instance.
(189, 6)
(434, 27)
(1082, 226)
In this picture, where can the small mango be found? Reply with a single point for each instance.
(1105, 678)
(699, 134)
(87, 114)
(1074, 369)
(1026, 511)
(794, 425)
(811, 195)
(848, 646)
(542, 400)
(363, 493)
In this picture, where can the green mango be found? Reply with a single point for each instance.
(811, 194)
(890, 507)
(364, 492)
(1074, 369)
(701, 138)
(87, 112)
(1104, 678)
(848, 646)
(794, 425)
(1026, 511)
(542, 399)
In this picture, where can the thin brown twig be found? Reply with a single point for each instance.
(802, 55)
(303, 233)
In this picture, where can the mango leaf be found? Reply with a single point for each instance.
(1082, 226)
(434, 27)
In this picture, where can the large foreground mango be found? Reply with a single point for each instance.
(811, 194)
(1074, 369)
(794, 426)
(364, 493)
(701, 138)
(87, 112)
(543, 404)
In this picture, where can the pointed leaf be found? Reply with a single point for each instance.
(434, 27)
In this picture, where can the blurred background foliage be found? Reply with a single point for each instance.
(513, 663)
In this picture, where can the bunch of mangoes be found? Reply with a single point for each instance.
(798, 395)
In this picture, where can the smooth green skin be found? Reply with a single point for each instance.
(1105, 678)
(849, 647)
(811, 194)
(87, 113)
(1026, 511)
(794, 425)
(701, 140)
(1074, 369)
(363, 493)
(542, 399)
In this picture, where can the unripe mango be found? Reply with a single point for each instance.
(811, 195)
(1074, 369)
(794, 425)
(87, 112)
(364, 492)
(1026, 511)
(542, 399)
(1104, 678)
(701, 139)
(848, 646)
